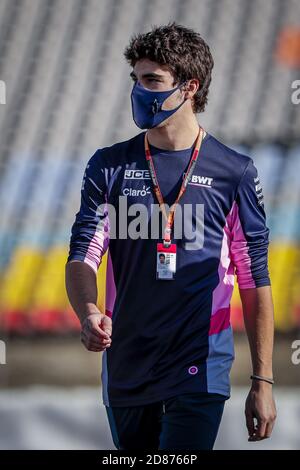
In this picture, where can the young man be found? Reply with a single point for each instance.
(162, 258)
(166, 334)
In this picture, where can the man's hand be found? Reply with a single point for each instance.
(260, 405)
(96, 332)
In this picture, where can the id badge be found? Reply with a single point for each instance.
(165, 261)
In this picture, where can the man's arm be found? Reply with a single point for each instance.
(249, 250)
(259, 324)
(81, 286)
(88, 243)
(258, 315)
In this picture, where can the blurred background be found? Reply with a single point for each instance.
(65, 91)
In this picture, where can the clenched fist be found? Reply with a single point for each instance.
(96, 332)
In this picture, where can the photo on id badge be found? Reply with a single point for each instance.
(165, 262)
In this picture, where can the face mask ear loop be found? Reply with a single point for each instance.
(156, 107)
(179, 86)
(201, 90)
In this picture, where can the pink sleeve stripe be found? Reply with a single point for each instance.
(223, 292)
(98, 245)
(111, 290)
(108, 313)
(219, 321)
(240, 252)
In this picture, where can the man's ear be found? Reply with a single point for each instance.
(191, 87)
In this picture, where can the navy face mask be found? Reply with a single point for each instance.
(146, 106)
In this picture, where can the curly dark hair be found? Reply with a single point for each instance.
(183, 50)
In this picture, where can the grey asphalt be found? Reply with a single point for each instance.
(74, 418)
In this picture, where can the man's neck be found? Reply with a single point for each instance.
(177, 134)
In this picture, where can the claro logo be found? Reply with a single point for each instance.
(137, 192)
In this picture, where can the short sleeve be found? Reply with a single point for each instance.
(249, 232)
(90, 231)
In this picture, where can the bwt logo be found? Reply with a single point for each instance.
(198, 180)
(2, 352)
(2, 92)
(201, 180)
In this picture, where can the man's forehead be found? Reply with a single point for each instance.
(146, 67)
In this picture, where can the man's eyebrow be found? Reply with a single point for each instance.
(147, 75)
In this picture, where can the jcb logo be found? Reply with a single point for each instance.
(137, 175)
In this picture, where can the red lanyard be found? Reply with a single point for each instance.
(170, 218)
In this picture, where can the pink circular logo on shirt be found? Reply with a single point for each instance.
(193, 370)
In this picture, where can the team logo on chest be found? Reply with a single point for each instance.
(137, 192)
(199, 180)
(137, 175)
(140, 175)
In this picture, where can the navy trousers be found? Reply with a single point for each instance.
(188, 421)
